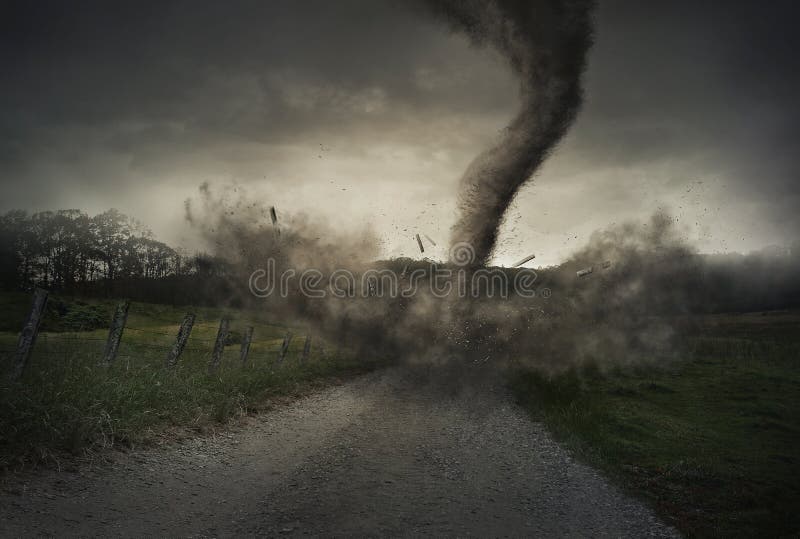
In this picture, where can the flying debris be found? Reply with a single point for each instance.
(419, 242)
(430, 240)
(526, 259)
(273, 215)
(585, 271)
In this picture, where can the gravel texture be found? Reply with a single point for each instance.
(387, 454)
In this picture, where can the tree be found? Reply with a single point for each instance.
(66, 248)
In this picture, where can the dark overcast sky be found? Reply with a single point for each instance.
(369, 112)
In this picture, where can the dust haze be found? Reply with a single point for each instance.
(613, 316)
(618, 300)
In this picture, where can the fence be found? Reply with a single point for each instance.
(252, 340)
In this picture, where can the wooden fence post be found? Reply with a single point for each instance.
(29, 331)
(180, 341)
(306, 349)
(219, 344)
(285, 346)
(115, 333)
(246, 338)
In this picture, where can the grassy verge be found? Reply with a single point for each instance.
(69, 403)
(711, 440)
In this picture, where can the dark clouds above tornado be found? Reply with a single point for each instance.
(371, 111)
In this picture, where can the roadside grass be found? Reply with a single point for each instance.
(710, 439)
(69, 403)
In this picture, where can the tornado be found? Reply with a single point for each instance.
(545, 43)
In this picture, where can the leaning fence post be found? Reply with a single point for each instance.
(219, 344)
(246, 338)
(115, 333)
(180, 341)
(29, 331)
(306, 348)
(285, 346)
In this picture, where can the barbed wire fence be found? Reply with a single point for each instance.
(255, 341)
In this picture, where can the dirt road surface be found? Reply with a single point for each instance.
(387, 454)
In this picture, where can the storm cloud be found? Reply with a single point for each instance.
(370, 111)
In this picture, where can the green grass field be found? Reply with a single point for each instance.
(69, 403)
(710, 439)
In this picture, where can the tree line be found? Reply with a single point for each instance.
(113, 255)
(68, 249)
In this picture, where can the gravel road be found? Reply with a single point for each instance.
(389, 453)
